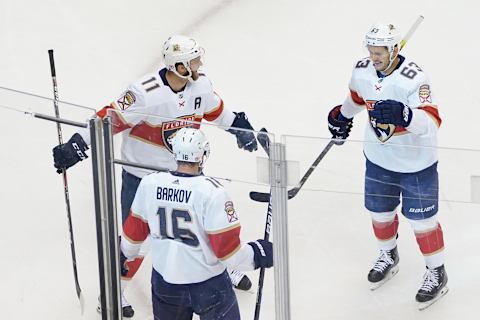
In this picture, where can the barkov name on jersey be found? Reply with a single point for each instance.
(174, 195)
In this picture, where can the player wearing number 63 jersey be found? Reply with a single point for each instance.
(401, 156)
(194, 232)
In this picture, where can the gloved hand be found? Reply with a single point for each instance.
(391, 112)
(338, 125)
(67, 154)
(245, 139)
(262, 253)
(123, 264)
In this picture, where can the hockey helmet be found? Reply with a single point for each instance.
(190, 145)
(383, 35)
(181, 49)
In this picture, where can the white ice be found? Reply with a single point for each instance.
(285, 63)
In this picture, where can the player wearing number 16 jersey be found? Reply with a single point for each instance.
(401, 156)
(194, 232)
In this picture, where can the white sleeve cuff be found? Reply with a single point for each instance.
(349, 108)
(419, 123)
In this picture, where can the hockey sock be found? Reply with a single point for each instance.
(385, 227)
(431, 245)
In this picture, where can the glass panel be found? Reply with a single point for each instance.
(332, 244)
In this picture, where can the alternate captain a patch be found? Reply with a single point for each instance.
(230, 210)
(424, 94)
(126, 100)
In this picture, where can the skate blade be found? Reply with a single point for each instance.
(390, 275)
(425, 305)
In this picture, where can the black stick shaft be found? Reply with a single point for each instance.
(265, 143)
(265, 197)
(64, 174)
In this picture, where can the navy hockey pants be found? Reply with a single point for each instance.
(129, 188)
(419, 191)
(212, 299)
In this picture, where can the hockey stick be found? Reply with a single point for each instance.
(265, 197)
(411, 31)
(65, 183)
(265, 143)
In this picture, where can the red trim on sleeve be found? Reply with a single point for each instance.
(433, 112)
(356, 98)
(135, 229)
(118, 124)
(224, 243)
(215, 113)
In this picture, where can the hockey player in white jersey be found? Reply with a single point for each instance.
(401, 155)
(194, 231)
(178, 93)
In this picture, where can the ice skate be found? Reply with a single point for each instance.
(433, 288)
(385, 267)
(127, 310)
(239, 280)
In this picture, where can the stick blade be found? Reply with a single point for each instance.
(260, 196)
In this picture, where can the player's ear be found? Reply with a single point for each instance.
(181, 68)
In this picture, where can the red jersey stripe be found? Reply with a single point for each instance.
(432, 112)
(154, 133)
(118, 123)
(135, 228)
(225, 243)
(215, 113)
(356, 98)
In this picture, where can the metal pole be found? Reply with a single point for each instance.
(111, 220)
(278, 174)
(109, 297)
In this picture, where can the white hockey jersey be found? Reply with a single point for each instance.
(396, 149)
(149, 112)
(193, 226)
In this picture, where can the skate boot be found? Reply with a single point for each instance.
(385, 267)
(239, 280)
(433, 288)
(127, 310)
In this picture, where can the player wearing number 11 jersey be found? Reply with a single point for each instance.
(401, 156)
(150, 111)
(195, 235)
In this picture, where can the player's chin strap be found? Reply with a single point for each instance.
(412, 29)
(391, 61)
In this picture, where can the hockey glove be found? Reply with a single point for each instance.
(123, 264)
(245, 139)
(262, 253)
(338, 125)
(67, 154)
(391, 112)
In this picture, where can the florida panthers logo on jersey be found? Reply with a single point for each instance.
(230, 210)
(126, 100)
(169, 128)
(383, 131)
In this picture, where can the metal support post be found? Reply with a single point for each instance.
(278, 175)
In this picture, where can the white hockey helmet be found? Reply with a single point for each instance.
(383, 35)
(181, 49)
(190, 145)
